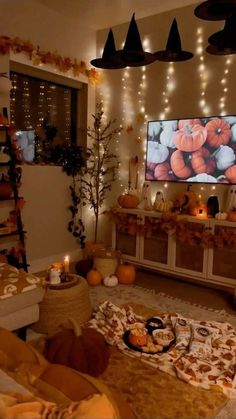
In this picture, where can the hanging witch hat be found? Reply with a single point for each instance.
(109, 59)
(133, 54)
(215, 9)
(224, 41)
(173, 51)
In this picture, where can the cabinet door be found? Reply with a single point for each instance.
(188, 257)
(154, 244)
(125, 239)
(222, 260)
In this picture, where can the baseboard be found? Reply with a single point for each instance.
(39, 265)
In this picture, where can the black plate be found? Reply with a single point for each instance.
(139, 348)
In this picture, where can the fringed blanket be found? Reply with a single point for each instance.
(203, 353)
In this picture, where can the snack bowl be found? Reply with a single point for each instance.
(138, 335)
(154, 323)
(163, 336)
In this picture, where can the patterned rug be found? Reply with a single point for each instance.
(151, 393)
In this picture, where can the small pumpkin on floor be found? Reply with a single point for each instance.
(110, 281)
(126, 273)
(94, 277)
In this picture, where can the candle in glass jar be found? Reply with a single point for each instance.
(66, 264)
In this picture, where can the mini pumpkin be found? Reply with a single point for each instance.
(125, 273)
(232, 215)
(128, 200)
(163, 206)
(221, 215)
(94, 277)
(202, 161)
(179, 164)
(218, 132)
(190, 138)
(110, 281)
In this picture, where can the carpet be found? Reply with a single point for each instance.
(152, 393)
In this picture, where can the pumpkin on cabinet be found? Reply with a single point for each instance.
(163, 206)
(126, 273)
(190, 138)
(94, 277)
(218, 132)
(221, 216)
(232, 215)
(186, 201)
(128, 200)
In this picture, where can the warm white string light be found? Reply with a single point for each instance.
(202, 71)
(167, 92)
(224, 85)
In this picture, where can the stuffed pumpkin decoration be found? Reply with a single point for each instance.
(87, 352)
(218, 132)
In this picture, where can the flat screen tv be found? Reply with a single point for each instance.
(192, 150)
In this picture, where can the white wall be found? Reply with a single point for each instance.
(183, 100)
(46, 188)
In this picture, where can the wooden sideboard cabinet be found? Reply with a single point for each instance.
(161, 251)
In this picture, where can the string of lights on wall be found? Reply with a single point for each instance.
(202, 71)
(224, 87)
(168, 90)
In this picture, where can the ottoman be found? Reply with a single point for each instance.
(62, 302)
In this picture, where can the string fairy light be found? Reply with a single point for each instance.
(169, 88)
(224, 85)
(202, 71)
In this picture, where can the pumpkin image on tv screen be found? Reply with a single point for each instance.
(192, 150)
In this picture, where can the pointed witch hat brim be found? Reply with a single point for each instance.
(224, 42)
(215, 9)
(109, 59)
(133, 55)
(173, 51)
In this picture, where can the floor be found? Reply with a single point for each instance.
(194, 292)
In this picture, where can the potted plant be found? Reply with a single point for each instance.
(95, 178)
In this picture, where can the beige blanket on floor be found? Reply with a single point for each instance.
(155, 394)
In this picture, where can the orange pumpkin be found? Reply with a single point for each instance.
(125, 273)
(163, 172)
(179, 166)
(231, 215)
(190, 122)
(94, 277)
(138, 340)
(128, 201)
(202, 162)
(190, 138)
(187, 201)
(230, 173)
(218, 132)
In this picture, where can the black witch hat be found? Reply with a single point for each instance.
(224, 42)
(215, 9)
(109, 59)
(173, 51)
(132, 54)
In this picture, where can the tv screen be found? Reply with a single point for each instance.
(192, 150)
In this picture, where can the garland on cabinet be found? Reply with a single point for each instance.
(182, 229)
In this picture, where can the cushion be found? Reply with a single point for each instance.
(14, 281)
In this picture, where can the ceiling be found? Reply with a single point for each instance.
(100, 14)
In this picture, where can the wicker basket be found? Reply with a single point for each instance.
(106, 261)
(61, 304)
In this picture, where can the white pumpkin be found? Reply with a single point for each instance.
(154, 128)
(156, 153)
(221, 215)
(202, 177)
(163, 206)
(233, 130)
(110, 281)
(225, 157)
(172, 124)
(167, 137)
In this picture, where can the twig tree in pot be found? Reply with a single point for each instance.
(96, 178)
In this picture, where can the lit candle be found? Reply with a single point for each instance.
(66, 264)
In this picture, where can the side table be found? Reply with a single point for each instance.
(68, 300)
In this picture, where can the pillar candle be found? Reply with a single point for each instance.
(66, 264)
